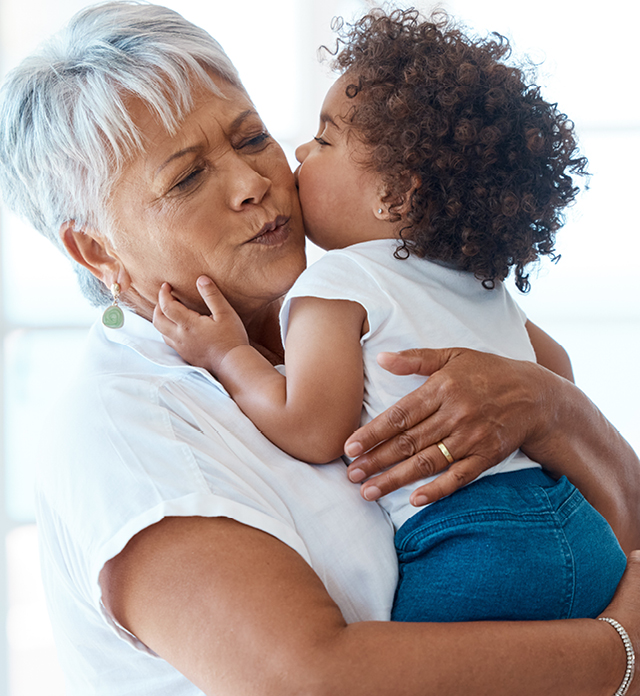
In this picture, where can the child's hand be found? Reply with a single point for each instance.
(201, 340)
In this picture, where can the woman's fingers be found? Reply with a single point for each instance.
(424, 464)
(416, 361)
(455, 477)
(396, 422)
(479, 404)
(414, 408)
(434, 426)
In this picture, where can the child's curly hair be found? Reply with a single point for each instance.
(491, 157)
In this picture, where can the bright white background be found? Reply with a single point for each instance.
(590, 301)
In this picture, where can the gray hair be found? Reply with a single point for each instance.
(65, 132)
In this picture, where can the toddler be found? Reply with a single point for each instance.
(437, 170)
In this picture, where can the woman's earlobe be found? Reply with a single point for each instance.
(86, 246)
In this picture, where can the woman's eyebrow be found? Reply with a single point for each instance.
(238, 120)
(177, 155)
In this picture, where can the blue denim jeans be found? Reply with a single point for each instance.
(512, 546)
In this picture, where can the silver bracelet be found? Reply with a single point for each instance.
(631, 657)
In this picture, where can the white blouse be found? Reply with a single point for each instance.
(141, 435)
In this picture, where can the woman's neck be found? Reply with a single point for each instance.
(263, 329)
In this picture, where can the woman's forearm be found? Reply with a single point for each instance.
(474, 659)
(249, 616)
(573, 438)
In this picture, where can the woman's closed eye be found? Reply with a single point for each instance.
(320, 140)
(190, 179)
(257, 142)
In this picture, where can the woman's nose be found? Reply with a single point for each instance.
(250, 186)
(302, 151)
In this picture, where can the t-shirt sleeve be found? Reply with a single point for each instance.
(521, 313)
(150, 458)
(338, 276)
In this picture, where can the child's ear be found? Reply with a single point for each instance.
(89, 248)
(394, 206)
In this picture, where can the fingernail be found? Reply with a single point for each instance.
(353, 449)
(204, 280)
(356, 475)
(420, 500)
(371, 493)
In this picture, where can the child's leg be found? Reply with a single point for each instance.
(511, 546)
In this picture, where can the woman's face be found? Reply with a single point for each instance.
(216, 198)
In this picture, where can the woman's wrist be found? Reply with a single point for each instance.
(550, 421)
(630, 656)
(569, 436)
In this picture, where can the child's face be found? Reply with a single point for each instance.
(340, 199)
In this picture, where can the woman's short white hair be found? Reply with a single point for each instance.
(65, 132)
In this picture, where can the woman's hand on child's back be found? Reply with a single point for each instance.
(202, 340)
(479, 407)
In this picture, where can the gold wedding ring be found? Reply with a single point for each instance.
(447, 455)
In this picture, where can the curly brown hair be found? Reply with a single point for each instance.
(492, 159)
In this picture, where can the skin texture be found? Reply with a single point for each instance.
(549, 353)
(232, 608)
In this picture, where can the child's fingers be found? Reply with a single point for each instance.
(161, 322)
(214, 299)
(164, 295)
(164, 299)
(171, 308)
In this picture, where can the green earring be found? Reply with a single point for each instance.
(113, 317)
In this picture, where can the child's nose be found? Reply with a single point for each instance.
(302, 151)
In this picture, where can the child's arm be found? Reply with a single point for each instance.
(312, 411)
(549, 354)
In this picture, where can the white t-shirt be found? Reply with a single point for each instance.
(414, 303)
(142, 435)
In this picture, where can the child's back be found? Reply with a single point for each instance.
(413, 303)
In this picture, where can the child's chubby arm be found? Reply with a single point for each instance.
(310, 413)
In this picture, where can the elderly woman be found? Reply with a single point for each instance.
(182, 552)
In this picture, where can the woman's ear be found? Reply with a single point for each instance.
(89, 248)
